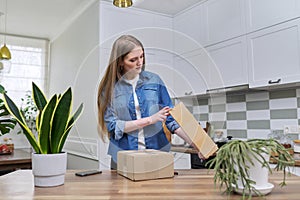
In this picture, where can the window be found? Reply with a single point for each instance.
(29, 64)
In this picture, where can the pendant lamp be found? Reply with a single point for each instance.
(122, 3)
(4, 51)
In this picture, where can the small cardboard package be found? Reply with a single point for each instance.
(193, 129)
(145, 164)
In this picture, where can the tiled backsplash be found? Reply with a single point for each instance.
(249, 115)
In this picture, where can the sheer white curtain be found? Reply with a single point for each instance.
(29, 64)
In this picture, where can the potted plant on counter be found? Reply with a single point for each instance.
(243, 166)
(53, 124)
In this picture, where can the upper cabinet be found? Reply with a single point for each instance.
(191, 73)
(253, 42)
(274, 55)
(223, 19)
(188, 30)
(230, 63)
(264, 13)
(190, 59)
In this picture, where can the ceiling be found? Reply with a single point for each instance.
(48, 18)
(169, 7)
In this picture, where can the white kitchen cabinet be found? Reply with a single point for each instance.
(230, 58)
(223, 19)
(188, 30)
(264, 13)
(182, 160)
(273, 55)
(191, 71)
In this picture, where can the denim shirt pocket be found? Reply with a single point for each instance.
(151, 96)
(151, 92)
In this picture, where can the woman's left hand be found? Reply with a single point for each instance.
(201, 156)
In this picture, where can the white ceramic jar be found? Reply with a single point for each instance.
(297, 146)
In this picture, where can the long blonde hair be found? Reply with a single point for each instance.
(114, 71)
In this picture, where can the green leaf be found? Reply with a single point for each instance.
(60, 120)
(45, 127)
(15, 112)
(70, 125)
(2, 90)
(6, 125)
(38, 97)
(39, 100)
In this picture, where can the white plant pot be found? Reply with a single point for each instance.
(259, 174)
(49, 169)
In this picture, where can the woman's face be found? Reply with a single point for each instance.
(133, 62)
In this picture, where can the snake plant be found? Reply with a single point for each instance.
(233, 160)
(53, 123)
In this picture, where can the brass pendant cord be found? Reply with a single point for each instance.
(4, 51)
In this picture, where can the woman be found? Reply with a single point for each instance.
(133, 103)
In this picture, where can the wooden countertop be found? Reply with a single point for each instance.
(188, 184)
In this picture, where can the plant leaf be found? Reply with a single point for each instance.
(45, 126)
(2, 89)
(15, 112)
(70, 125)
(38, 97)
(39, 100)
(6, 125)
(60, 119)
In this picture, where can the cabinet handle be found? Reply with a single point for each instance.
(273, 82)
(188, 93)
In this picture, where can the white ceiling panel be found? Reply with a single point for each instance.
(47, 18)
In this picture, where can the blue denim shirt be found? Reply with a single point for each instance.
(152, 96)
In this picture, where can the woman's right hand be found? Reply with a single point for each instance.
(160, 115)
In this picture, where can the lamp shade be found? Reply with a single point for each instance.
(122, 3)
(5, 53)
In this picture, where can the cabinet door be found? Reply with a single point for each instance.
(190, 73)
(182, 160)
(261, 14)
(273, 55)
(224, 19)
(230, 60)
(188, 25)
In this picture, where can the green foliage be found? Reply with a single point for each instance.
(232, 163)
(29, 111)
(6, 122)
(53, 122)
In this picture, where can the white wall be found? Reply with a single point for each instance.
(74, 62)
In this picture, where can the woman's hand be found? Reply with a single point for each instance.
(160, 116)
(180, 132)
(201, 156)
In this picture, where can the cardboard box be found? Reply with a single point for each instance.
(145, 164)
(193, 129)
